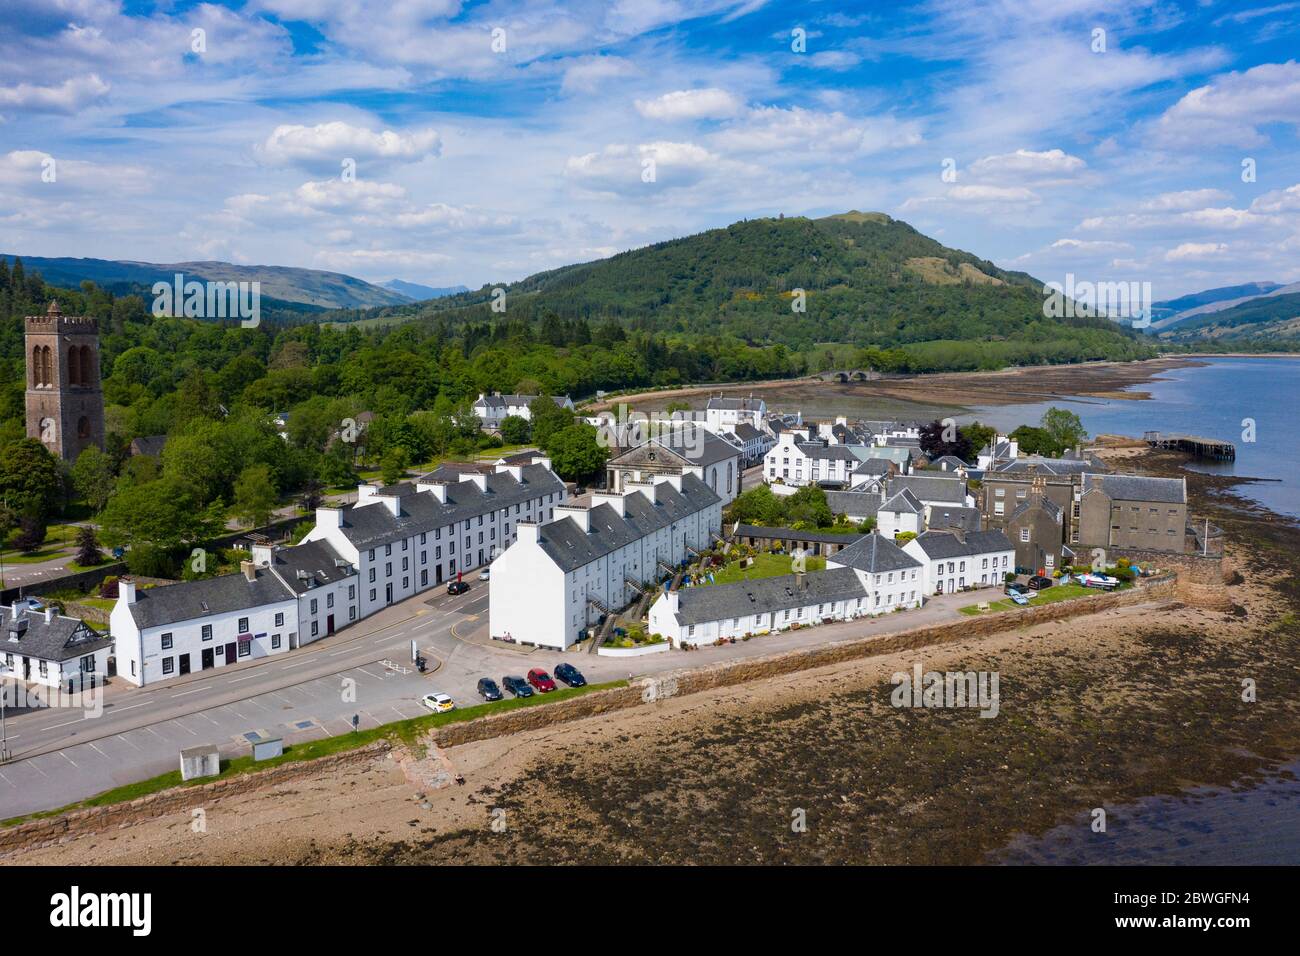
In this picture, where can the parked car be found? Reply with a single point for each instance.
(570, 675)
(541, 680)
(517, 686)
(488, 689)
(1040, 583)
(438, 703)
(1018, 597)
(483, 575)
(457, 587)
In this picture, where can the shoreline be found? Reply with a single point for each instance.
(695, 778)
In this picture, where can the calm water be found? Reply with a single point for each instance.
(1210, 400)
(1208, 826)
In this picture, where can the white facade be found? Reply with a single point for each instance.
(41, 647)
(425, 535)
(181, 643)
(954, 561)
(493, 409)
(561, 576)
(724, 414)
(797, 461)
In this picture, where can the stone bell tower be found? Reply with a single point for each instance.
(65, 406)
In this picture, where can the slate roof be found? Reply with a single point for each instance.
(873, 466)
(1048, 505)
(149, 445)
(947, 544)
(794, 534)
(501, 401)
(952, 461)
(892, 453)
(571, 548)
(63, 638)
(874, 554)
(929, 488)
(904, 502)
(964, 519)
(718, 602)
(317, 559)
(1050, 466)
(1138, 488)
(826, 452)
(370, 525)
(746, 432)
(737, 404)
(190, 600)
(852, 502)
(709, 450)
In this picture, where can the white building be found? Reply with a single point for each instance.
(954, 559)
(899, 513)
(752, 442)
(169, 631)
(41, 647)
(493, 409)
(686, 449)
(871, 576)
(409, 537)
(560, 576)
(1001, 449)
(932, 490)
(724, 414)
(797, 460)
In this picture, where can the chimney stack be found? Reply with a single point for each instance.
(126, 590)
(49, 614)
(249, 569)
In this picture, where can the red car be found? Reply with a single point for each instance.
(541, 680)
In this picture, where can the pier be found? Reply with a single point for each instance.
(1193, 445)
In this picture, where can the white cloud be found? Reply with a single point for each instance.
(1192, 251)
(68, 97)
(769, 129)
(590, 74)
(1048, 166)
(1231, 109)
(335, 141)
(1183, 200)
(711, 103)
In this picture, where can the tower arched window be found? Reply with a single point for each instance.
(47, 366)
(74, 365)
(36, 366)
(83, 428)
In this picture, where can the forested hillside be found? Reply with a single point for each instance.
(868, 281)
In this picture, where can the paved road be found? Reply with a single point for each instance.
(62, 754)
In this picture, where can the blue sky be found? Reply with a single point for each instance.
(1096, 138)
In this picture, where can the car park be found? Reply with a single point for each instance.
(1040, 583)
(457, 587)
(438, 703)
(517, 686)
(488, 689)
(541, 680)
(570, 675)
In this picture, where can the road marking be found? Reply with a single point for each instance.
(154, 732)
(98, 751)
(57, 726)
(7, 780)
(310, 660)
(345, 650)
(69, 760)
(205, 716)
(186, 693)
(178, 723)
(131, 742)
(236, 680)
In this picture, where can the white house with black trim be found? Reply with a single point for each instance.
(562, 574)
(955, 559)
(493, 409)
(41, 647)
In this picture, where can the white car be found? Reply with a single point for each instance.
(438, 703)
(483, 575)
(1095, 580)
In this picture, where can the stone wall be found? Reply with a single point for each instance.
(1202, 580)
(78, 823)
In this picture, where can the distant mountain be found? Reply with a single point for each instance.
(304, 287)
(1174, 311)
(862, 279)
(417, 293)
(1275, 316)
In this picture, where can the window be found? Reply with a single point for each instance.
(243, 625)
(275, 642)
(315, 628)
(207, 632)
(167, 641)
(372, 575)
(314, 604)
(352, 592)
(372, 594)
(329, 599)
(1024, 534)
(279, 616)
(245, 648)
(169, 665)
(352, 614)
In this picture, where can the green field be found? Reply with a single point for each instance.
(1061, 592)
(765, 566)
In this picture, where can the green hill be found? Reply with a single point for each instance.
(867, 280)
(1269, 318)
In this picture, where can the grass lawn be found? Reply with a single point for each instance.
(1061, 592)
(765, 566)
(46, 553)
(404, 731)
